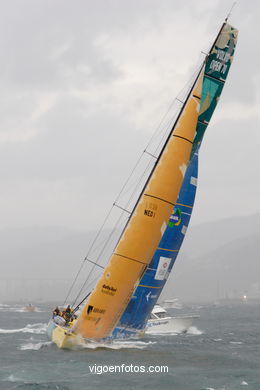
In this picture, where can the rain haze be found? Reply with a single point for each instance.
(84, 85)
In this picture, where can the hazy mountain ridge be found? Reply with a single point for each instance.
(230, 270)
(201, 239)
(216, 259)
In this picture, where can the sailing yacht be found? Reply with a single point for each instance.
(131, 283)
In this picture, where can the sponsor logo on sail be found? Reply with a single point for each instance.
(175, 218)
(150, 296)
(89, 309)
(93, 309)
(110, 290)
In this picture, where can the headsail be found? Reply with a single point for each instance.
(153, 281)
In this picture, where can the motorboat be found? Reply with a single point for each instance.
(161, 322)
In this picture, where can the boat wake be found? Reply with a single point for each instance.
(192, 330)
(30, 328)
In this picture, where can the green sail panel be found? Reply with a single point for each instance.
(217, 66)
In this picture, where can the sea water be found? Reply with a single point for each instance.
(221, 351)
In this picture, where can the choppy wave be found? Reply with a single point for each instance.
(19, 383)
(38, 328)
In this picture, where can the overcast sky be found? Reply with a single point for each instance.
(84, 85)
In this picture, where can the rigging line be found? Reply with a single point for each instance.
(148, 167)
(128, 179)
(77, 307)
(74, 281)
(84, 285)
(98, 265)
(83, 262)
(176, 99)
(135, 189)
(103, 242)
(121, 215)
(121, 208)
(153, 136)
(106, 242)
(179, 100)
(110, 237)
(90, 248)
(150, 154)
(100, 254)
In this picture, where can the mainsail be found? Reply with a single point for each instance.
(149, 220)
(148, 291)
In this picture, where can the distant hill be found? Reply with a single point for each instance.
(217, 259)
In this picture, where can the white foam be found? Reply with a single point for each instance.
(38, 328)
(12, 378)
(195, 331)
(243, 383)
(161, 333)
(236, 342)
(118, 344)
(35, 347)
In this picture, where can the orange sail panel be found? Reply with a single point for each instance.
(144, 230)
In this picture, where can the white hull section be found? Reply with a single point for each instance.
(178, 324)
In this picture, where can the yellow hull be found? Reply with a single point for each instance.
(64, 337)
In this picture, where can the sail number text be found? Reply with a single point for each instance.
(150, 209)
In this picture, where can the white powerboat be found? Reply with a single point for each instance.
(161, 322)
